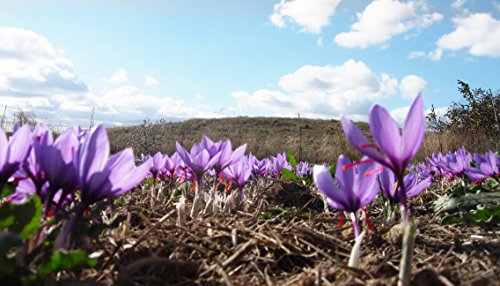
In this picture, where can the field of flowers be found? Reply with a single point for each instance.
(214, 214)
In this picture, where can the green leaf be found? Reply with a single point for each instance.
(23, 219)
(291, 159)
(287, 174)
(7, 190)
(7, 241)
(453, 203)
(333, 169)
(65, 261)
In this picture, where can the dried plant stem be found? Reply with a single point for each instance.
(407, 253)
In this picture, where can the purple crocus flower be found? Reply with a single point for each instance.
(100, 177)
(210, 146)
(238, 172)
(394, 149)
(354, 191)
(228, 156)
(56, 160)
(303, 169)
(277, 163)
(13, 152)
(458, 162)
(413, 186)
(487, 166)
(158, 165)
(198, 159)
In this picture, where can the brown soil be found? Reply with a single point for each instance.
(302, 245)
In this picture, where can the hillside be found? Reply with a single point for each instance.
(318, 140)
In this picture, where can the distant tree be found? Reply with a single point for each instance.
(25, 117)
(477, 119)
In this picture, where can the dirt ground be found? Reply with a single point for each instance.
(287, 239)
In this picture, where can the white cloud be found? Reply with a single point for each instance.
(416, 54)
(120, 76)
(479, 33)
(383, 19)
(38, 78)
(411, 85)
(319, 42)
(199, 96)
(399, 114)
(150, 80)
(310, 15)
(323, 91)
(458, 4)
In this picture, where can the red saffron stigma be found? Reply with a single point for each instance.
(193, 186)
(365, 145)
(229, 187)
(341, 221)
(368, 173)
(368, 219)
(349, 166)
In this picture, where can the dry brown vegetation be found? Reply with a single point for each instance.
(299, 245)
(311, 140)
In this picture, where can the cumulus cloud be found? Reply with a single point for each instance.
(38, 78)
(319, 42)
(310, 15)
(150, 80)
(412, 85)
(120, 76)
(323, 91)
(479, 33)
(416, 54)
(31, 67)
(458, 4)
(399, 114)
(383, 19)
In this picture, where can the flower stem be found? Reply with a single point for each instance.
(355, 223)
(407, 254)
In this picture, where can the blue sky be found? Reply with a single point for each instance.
(181, 59)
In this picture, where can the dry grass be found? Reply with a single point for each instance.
(311, 140)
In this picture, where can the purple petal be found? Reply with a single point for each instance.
(93, 154)
(357, 139)
(414, 129)
(4, 143)
(325, 184)
(183, 154)
(385, 132)
(20, 145)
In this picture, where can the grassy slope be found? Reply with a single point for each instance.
(320, 140)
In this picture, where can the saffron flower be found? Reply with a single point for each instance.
(487, 166)
(354, 191)
(13, 152)
(100, 177)
(413, 186)
(394, 149)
